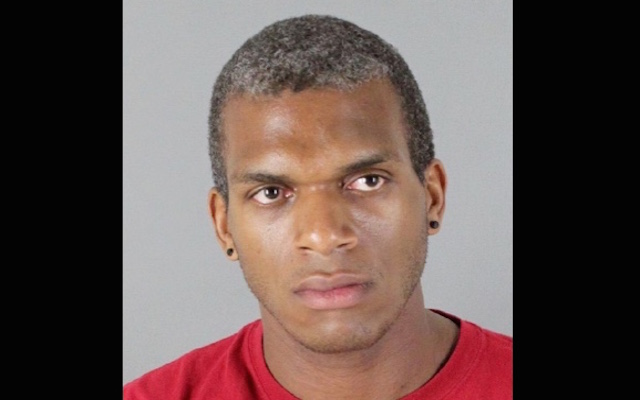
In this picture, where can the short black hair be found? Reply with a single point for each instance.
(315, 51)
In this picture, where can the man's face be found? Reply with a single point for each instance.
(327, 216)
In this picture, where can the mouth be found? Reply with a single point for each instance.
(332, 293)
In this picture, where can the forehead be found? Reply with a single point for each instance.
(325, 125)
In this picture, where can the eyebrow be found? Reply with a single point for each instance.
(360, 164)
(367, 162)
(261, 177)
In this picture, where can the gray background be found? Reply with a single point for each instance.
(179, 291)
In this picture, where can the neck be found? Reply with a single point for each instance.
(406, 357)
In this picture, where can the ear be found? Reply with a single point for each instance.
(436, 188)
(219, 216)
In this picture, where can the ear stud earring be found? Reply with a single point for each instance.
(434, 224)
(229, 252)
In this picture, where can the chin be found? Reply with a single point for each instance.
(336, 337)
(353, 341)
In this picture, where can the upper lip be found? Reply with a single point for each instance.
(323, 283)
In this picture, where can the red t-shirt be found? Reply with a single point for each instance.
(480, 367)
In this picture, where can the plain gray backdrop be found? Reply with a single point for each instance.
(179, 290)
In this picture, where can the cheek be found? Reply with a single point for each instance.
(261, 243)
(263, 235)
(390, 222)
(249, 232)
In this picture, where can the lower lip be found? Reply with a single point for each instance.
(342, 297)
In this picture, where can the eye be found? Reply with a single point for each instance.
(270, 194)
(367, 183)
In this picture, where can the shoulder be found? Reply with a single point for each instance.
(485, 347)
(495, 345)
(484, 342)
(193, 372)
(480, 366)
(491, 363)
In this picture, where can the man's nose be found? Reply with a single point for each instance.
(323, 222)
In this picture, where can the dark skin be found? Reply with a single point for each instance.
(329, 222)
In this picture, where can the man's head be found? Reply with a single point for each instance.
(316, 51)
(319, 197)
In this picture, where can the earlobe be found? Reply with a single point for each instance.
(219, 216)
(436, 188)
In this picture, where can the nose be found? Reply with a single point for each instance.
(323, 223)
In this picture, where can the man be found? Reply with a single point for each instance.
(327, 189)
